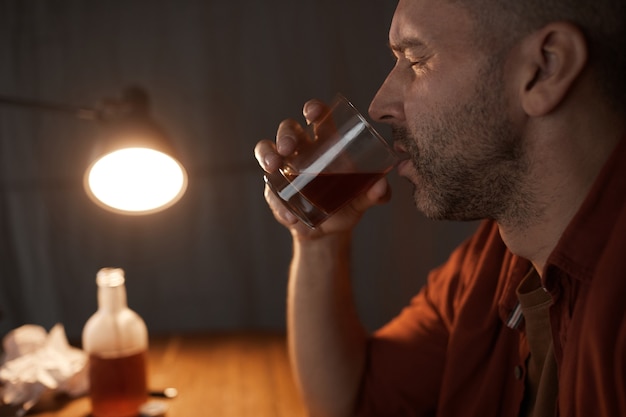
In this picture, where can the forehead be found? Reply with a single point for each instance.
(433, 23)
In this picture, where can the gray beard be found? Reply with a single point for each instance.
(462, 189)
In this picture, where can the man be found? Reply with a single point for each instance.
(512, 113)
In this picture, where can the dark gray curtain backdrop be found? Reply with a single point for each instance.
(221, 75)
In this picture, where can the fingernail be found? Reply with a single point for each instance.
(310, 110)
(286, 145)
(271, 161)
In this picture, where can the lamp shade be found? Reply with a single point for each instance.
(133, 169)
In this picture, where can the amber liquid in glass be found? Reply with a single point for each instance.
(117, 385)
(313, 197)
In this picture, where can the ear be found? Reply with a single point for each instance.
(554, 57)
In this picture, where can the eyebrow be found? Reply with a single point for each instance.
(406, 44)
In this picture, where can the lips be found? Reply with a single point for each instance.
(404, 158)
(397, 146)
(404, 167)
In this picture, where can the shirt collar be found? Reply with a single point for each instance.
(584, 239)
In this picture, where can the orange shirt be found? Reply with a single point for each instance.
(450, 352)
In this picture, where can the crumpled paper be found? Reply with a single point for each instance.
(36, 362)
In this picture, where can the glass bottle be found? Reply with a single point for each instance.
(116, 340)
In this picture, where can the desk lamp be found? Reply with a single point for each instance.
(133, 170)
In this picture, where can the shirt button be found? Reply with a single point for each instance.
(518, 372)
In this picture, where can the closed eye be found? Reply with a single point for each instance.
(413, 52)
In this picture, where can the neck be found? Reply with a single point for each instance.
(564, 168)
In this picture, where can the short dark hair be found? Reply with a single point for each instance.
(601, 21)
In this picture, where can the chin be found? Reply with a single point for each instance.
(426, 205)
(433, 209)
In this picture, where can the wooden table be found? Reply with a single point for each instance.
(225, 375)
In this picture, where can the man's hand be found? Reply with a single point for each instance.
(290, 137)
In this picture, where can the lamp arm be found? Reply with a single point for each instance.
(80, 112)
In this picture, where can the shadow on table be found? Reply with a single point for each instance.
(47, 404)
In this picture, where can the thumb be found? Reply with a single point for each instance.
(379, 193)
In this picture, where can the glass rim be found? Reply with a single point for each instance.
(339, 97)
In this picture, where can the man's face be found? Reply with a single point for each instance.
(446, 101)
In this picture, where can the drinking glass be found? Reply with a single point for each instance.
(343, 157)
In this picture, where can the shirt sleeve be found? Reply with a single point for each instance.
(406, 357)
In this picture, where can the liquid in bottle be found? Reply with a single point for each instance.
(116, 339)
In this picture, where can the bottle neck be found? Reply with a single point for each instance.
(112, 299)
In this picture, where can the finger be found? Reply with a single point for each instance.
(267, 156)
(314, 110)
(318, 114)
(280, 211)
(289, 136)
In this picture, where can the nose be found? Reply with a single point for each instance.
(387, 106)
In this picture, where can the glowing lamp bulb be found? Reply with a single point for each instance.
(136, 181)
